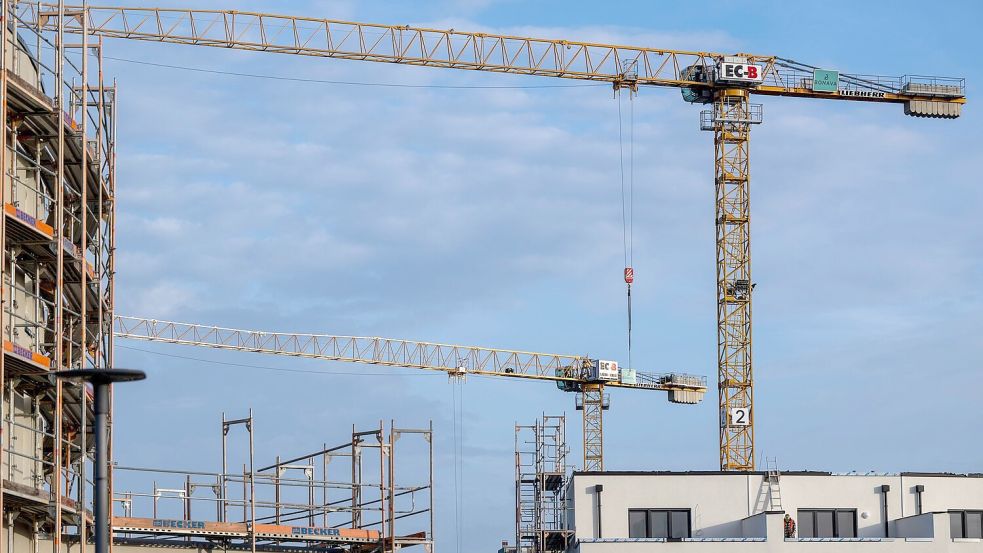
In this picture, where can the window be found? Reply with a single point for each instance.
(658, 523)
(824, 524)
(827, 523)
(807, 526)
(974, 525)
(679, 524)
(846, 524)
(956, 526)
(636, 524)
(966, 524)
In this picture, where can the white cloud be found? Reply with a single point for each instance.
(164, 300)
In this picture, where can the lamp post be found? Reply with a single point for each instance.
(102, 381)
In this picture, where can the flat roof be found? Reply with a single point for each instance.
(764, 473)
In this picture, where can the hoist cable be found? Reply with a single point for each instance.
(627, 197)
(460, 414)
(621, 161)
(631, 179)
(457, 481)
(631, 206)
(629, 326)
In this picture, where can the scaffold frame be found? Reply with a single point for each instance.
(293, 502)
(57, 160)
(541, 477)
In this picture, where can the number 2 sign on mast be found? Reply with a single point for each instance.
(740, 416)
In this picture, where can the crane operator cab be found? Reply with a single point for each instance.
(592, 370)
(700, 74)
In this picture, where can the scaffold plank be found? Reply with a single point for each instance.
(203, 528)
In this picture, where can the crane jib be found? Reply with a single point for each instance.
(558, 58)
(570, 372)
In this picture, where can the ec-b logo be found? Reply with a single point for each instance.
(745, 72)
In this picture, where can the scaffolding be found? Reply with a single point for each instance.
(344, 497)
(57, 161)
(541, 510)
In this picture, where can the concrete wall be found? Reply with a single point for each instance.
(755, 526)
(25, 194)
(23, 189)
(717, 504)
(18, 61)
(729, 506)
(919, 526)
(25, 316)
(22, 462)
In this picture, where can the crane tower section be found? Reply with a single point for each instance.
(731, 120)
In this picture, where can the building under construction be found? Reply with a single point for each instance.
(58, 160)
(353, 496)
(58, 164)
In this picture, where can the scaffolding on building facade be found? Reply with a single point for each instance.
(58, 198)
(541, 511)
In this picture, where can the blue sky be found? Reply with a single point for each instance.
(492, 217)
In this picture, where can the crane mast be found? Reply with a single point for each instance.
(723, 81)
(731, 123)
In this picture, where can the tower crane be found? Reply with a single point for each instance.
(571, 373)
(724, 82)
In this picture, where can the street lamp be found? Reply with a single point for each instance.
(102, 381)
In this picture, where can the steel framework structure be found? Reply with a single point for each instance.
(405, 44)
(344, 497)
(57, 160)
(384, 43)
(593, 402)
(452, 359)
(541, 517)
(623, 66)
(730, 121)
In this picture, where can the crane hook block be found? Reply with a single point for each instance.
(629, 275)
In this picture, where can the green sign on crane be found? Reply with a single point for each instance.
(825, 81)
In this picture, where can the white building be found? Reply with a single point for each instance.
(638, 512)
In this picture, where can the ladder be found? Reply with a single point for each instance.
(773, 477)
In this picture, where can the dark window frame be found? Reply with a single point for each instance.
(669, 527)
(963, 514)
(837, 533)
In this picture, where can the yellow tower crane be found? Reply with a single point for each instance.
(723, 81)
(572, 373)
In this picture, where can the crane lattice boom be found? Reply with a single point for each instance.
(449, 48)
(572, 373)
(452, 359)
